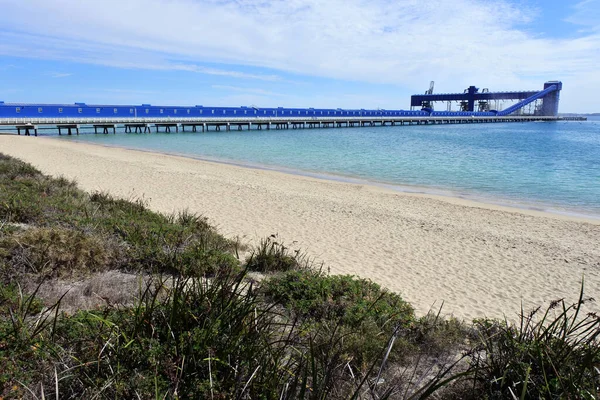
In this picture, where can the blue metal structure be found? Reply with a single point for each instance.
(82, 110)
(551, 100)
(19, 111)
(550, 97)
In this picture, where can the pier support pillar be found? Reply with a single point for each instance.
(68, 128)
(27, 129)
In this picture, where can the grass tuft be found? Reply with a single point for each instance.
(272, 256)
(551, 353)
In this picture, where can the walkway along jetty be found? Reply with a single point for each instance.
(28, 118)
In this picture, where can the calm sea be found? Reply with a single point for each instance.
(542, 165)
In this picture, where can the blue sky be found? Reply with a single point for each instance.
(305, 53)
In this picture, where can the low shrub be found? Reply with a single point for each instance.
(317, 296)
(60, 252)
(11, 170)
(436, 336)
(352, 317)
(69, 231)
(183, 243)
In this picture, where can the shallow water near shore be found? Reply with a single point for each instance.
(553, 166)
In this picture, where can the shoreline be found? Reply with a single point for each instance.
(456, 196)
(476, 259)
(459, 198)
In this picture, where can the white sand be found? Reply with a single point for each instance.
(479, 260)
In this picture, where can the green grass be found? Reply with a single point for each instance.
(200, 327)
(272, 256)
(550, 354)
(65, 231)
(25, 353)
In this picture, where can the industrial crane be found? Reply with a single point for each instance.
(428, 104)
(430, 91)
(484, 105)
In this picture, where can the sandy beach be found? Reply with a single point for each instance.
(477, 259)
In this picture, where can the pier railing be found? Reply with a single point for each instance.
(264, 120)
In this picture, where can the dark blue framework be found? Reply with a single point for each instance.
(550, 95)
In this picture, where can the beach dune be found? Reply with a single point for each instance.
(477, 259)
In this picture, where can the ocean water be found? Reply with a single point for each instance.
(552, 166)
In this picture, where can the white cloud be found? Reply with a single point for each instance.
(586, 13)
(221, 72)
(58, 75)
(258, 91)
(405, 43)
(7, 67)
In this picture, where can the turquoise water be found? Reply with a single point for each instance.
(548, 165)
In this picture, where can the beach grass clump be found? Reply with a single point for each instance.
(26, 351)
(186, 338)
(196, 337)
(273, 256)
(12, 298)
(550, 354)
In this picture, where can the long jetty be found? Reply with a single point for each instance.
(146, 125)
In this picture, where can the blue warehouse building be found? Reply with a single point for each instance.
(550, 96)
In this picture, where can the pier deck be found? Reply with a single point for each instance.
(142, 125)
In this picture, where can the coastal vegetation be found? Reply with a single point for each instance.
(102, 298)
